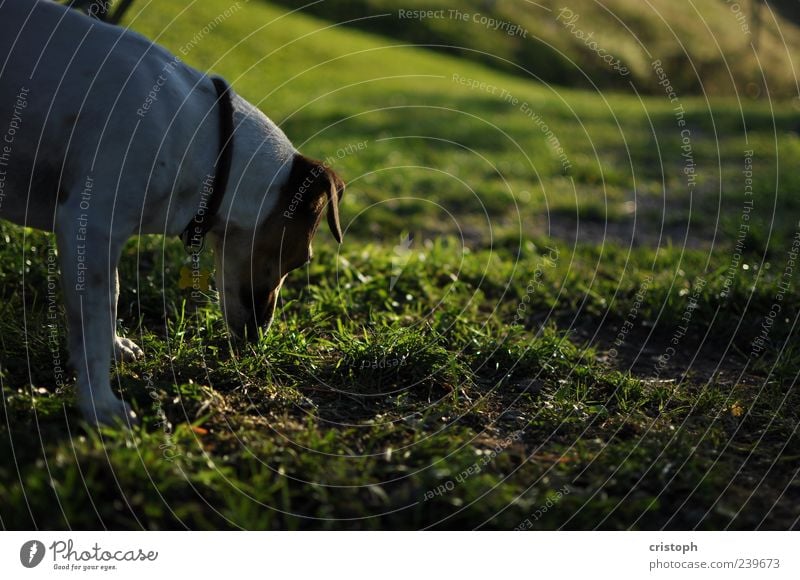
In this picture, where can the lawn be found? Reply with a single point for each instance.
(552, 309)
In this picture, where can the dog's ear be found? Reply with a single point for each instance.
(335, 193)
(310, 186)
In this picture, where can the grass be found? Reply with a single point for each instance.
(705, 45)
(519, 363)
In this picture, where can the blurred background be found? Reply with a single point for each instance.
(705, 45)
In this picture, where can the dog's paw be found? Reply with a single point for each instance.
(125, 350)
(110, 412)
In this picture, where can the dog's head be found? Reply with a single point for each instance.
(252, 264)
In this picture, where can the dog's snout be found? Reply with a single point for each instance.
(258, 310)
(250, 333)
(247, 330)
(263, 314)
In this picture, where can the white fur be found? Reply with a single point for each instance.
(84, 130)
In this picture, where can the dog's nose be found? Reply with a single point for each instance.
(260, 316)
(264, 319)
(250, 333)
(258, 309)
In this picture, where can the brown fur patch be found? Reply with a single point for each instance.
(311, 187)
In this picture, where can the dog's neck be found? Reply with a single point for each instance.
(259, 168)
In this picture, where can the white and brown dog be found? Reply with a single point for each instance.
(103, 136)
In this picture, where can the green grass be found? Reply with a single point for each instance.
(467, 380)
(564, 42)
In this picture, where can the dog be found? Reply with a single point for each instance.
(107, 136)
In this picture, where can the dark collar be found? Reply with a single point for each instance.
(193, 236)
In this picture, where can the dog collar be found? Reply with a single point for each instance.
(194, 235)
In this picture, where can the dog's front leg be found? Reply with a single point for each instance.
(88, 258)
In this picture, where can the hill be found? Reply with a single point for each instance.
(706, 46)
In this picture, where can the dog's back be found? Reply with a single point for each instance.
(72, 89)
